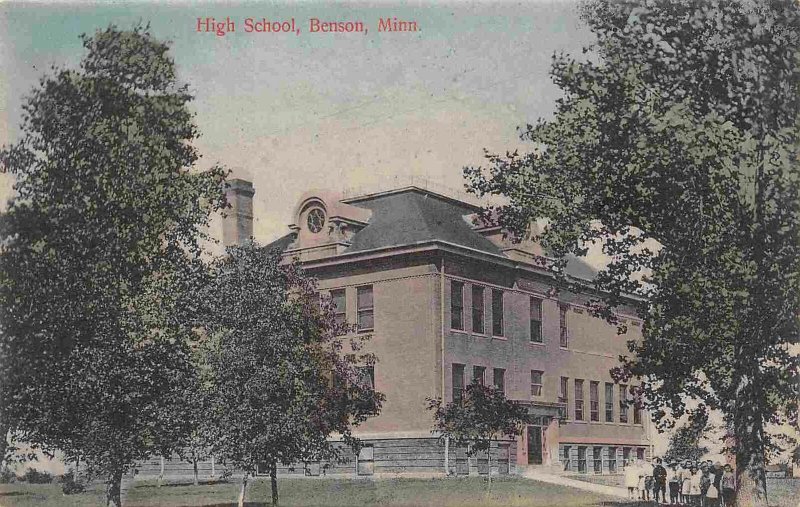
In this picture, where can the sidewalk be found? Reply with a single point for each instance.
(573, 483)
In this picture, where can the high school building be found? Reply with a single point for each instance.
(446, 301)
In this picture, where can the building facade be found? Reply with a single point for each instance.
(445, 301)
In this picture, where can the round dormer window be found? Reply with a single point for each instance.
(315, 220)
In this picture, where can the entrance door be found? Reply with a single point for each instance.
(534, 445)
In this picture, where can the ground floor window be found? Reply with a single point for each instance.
(312, 468)
(365, 463)
(582, 459)
(626, 457)
(565, 461)
(597, 460)
(612, 460)
(640, 453)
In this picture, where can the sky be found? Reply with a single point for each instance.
(294, 112)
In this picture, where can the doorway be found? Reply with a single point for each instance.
(534, 445)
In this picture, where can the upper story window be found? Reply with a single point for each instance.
(536, 382)
(623, 404)
(497, 312)
(366, 376)
(609, 402)
(315, 220)
(458, 382)
(536, 321)
(478, 310)
(564, 336)
(578, 399)
(637, 408)
(479, 374)
(339, 302)
(563, 395)
(500, 380)
(366, 317)
(594, 401)
(457, 305)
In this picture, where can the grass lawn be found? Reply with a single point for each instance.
(455, 492)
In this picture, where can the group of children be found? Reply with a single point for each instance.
(697, 484)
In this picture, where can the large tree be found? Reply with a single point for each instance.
(100, 248)
(281, 377)
(675, 147)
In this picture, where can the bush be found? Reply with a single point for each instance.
(7, 476)
(33, 476)
(70, 485)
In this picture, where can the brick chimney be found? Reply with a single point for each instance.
(237, 224)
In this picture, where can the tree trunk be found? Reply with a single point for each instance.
(273, 479)
(243, 490)
(114, 489)
(161, 472)
(489, 463)
(194, 469)
(748, 427)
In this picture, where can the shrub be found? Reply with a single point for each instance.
(7, 476)
(33, 476)
(70, 484)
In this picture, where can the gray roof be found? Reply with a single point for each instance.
(413, 215)
(416, 216)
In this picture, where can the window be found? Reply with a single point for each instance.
(597, 459)
(578, 399)
(563, 396)
(339, 302)
(640, 453)
(609, 402)
(637, 408)
(366, 376)
(565, 461)
(479, 374)
(497, 313)
(536, 382)
(582, 459)
(623, 405)
(477, 309)
(612, 460)
(458, 382)
(365, 462)
(457, 305)
(500, 380)
(564, 338)
(626, 456)
(366, 320)
(536, 321)
(594, 401)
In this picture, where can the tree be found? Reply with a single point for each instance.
(101, 246)
(675, 147)
(281, 376)
(684, 443)
(480, 418)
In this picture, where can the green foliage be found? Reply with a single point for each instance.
(675, 146)
(482, 416)
(7, 476)
(33, 476)
(278, 375)
(70, 485)
(684, 444)
(101, 246)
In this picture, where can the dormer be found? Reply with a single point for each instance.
(324, 225)
(527, 250)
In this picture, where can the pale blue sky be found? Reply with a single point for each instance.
(327, 110)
